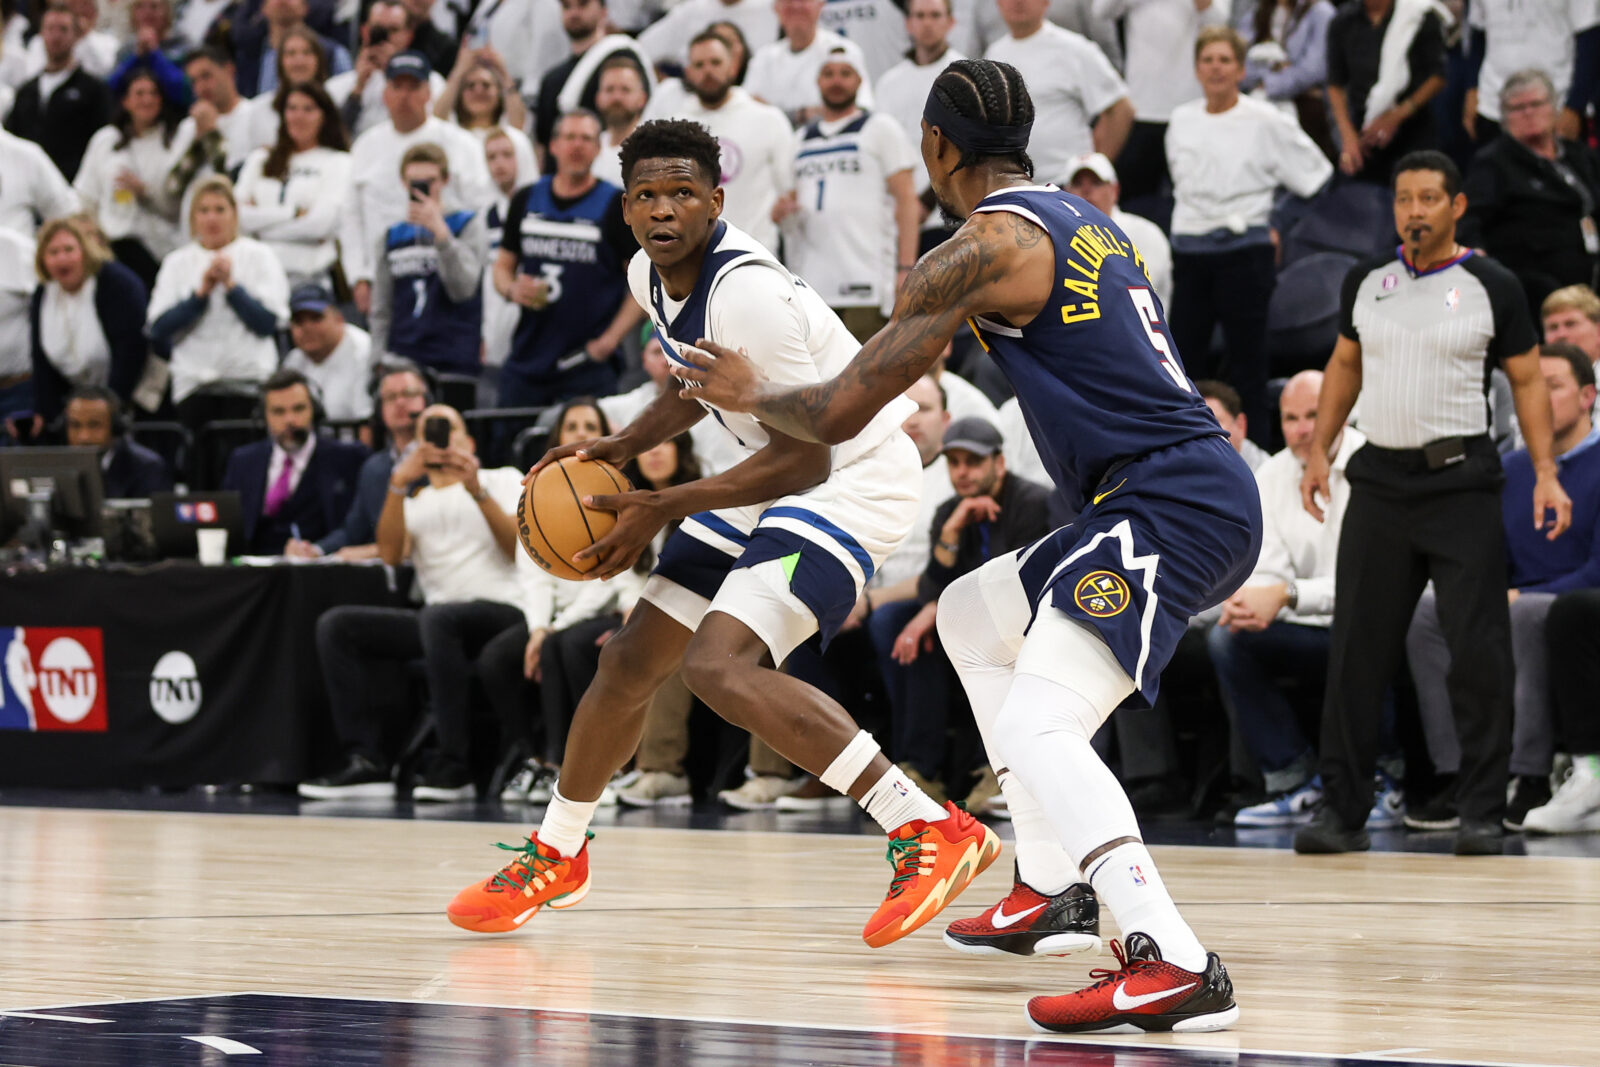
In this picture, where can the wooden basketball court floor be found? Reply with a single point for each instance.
(175, 938)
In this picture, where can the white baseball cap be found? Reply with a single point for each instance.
(1095, 163)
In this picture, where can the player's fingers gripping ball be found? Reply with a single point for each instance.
(552, 521)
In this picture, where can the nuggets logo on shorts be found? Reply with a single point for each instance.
(1102, 594)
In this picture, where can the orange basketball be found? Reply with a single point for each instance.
(554, 524)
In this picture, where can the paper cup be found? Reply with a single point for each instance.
(213, 545)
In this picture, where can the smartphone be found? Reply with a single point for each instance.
(436, 431)
(419, 190)
(377, 35)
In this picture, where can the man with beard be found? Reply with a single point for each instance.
(93, 413)
(575, 81)
(850, 224)
(620, 101)
(756, 139)
(296, 483)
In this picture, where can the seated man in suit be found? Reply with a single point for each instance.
(94, 420)
(296, 483)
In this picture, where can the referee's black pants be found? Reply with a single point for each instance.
(1405, 525)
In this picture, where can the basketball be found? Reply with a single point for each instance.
(552, 520)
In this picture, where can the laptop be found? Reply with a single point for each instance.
(174, 517)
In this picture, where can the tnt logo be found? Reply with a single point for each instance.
(1138, 875)
(52, 679)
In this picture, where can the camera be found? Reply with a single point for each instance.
(377, 35)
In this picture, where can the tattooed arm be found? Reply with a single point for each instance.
(997, 264)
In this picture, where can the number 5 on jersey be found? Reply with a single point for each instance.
(1150, 316)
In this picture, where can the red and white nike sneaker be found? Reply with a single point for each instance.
(1145, 994)
(1028, 923)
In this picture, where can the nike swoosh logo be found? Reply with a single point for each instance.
(1002, 920)
(1108, 492)
(1122, 1002)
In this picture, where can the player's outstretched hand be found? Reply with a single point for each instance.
(727, 380)
(639, 518)
(611, 449)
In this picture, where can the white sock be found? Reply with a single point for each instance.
(1130, 886)
(894, 801)
(565, 823)
(1041, 861)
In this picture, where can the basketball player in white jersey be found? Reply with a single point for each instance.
(853, 217)
(768, 553)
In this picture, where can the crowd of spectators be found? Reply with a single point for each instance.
(327, 217)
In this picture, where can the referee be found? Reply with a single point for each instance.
(1418, 332)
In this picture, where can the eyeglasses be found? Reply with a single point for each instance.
(395, 398)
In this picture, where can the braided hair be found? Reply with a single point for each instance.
(989, 92)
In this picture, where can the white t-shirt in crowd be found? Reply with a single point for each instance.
(238, 128)
(757, 158)
(218, 347)
(787, 79)
(453, 548)
(843, 239)
(903, 93)
(120, 215)
(1022, 456)
(962, 399)
(877, 26)
(1071, 82)
(17, 282)
(1160, 35)
(378, 198)
(1519, 34)
(667, 41)
(608, 164)
(30, 186)
(1227, 167)
(344, 378)
(298, 217)
(1154, 249)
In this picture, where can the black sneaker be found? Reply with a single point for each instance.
(1145, 994)
(1326, 836)
(1028, 923)
(360, 778)
(445, 781)
(1439, 813)
(1528, 791)
(1480, 837)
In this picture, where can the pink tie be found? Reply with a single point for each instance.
(278, 492)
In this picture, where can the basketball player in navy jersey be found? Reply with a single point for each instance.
(1049, 640)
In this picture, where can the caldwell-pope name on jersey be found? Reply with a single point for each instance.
(1090, 246)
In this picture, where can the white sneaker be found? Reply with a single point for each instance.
(759, 793)
(1388, 807)
(656, 789)
(531, 784)
(1287, 809)
(1575, 808)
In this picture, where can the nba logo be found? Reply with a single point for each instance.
(1138, 875)
(185, 512)
(205, 511)
(1452, 299)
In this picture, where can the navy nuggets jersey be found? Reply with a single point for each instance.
(564, 243)
(1096, 373)
(427, 325)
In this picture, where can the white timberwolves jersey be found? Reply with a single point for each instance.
(877, 26)
(747, 300)
(842, 240)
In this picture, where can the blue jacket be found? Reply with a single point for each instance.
(318, 505)
(1571, 561)
(135, 471)
(119, 302)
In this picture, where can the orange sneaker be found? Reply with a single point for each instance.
(537, 876)
(933, 863)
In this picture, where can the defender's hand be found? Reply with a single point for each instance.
(727, 380)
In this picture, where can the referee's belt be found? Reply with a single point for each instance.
(1438, 454)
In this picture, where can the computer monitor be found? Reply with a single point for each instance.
(174, 517)
(71, 476)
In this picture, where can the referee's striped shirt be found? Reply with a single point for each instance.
(1428, 341)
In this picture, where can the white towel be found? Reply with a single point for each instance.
(1394, 67)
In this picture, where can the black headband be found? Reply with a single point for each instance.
(972, 134)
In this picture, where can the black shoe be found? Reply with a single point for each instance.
(1146, 994)
(360, 778)
(1439, 813)
(446, 780)
(1528, 791)
(1062, 925)
(1157, 796)
(1480, 837)
(1326, 836)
